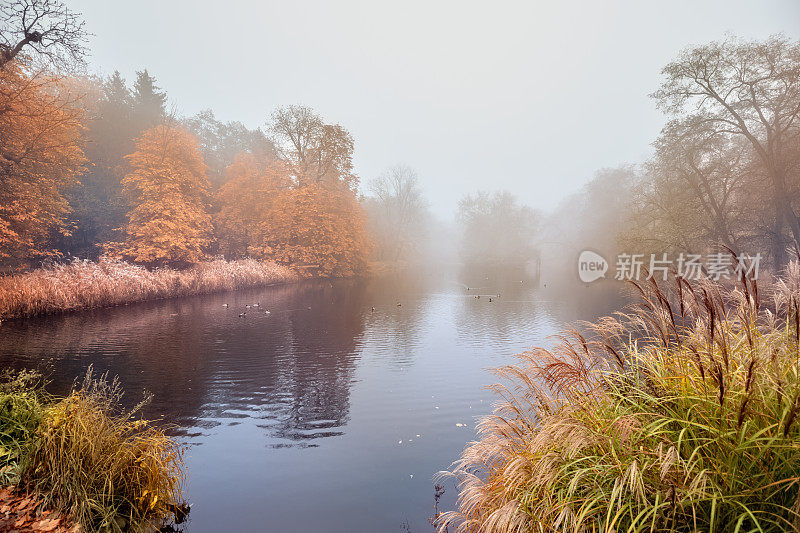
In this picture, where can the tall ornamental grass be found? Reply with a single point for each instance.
(679, 415)
(83, 284)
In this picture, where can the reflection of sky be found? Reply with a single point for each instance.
(323, 403)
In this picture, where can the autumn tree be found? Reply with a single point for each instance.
(318, 221)
(169, 223)
(320, 227)
(318, 152)
(222, 142)
(41, 156)
(45, 29)
(255, 184)
(751, 90)
(398, 214)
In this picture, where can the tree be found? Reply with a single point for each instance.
(148, 101)
(254, 185)
(97, 202)
(398, 214)
(41, 156)
(318, 152)
(48, 27)
(169, 223)
(221, 142)
(747, 89)
(694, 192)
(319, 227)
(496, 228)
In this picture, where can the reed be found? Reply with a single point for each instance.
(83, 284)
(681, 414)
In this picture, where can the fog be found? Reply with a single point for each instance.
(531, 97)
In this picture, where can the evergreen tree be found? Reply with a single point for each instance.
(149, 101)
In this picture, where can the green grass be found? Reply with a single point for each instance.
(105, 468)
(681, 415)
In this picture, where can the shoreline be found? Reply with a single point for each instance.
(83, 285)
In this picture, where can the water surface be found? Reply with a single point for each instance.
(323, 414)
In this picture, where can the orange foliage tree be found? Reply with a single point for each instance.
(254, 186)
(301, 210)
(41, 156)
(169, 223)
(319, 226)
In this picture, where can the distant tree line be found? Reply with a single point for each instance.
(726, 167)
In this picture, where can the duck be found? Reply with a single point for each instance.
(225, 306)
(242, 314)
(399, 305)
(490, 298)
(373, 309)
(257, 305)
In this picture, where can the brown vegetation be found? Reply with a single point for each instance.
(85, 284)
(26, 513)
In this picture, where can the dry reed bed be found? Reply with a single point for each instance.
(682, 414)
(84, 284)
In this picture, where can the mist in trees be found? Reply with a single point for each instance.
(495, 228)
(95, 165)
(399, 218)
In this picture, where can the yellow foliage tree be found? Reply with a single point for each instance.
(169, 223)
(41, 156)
(253, 186)
(321, 227)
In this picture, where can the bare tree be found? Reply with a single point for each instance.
(496, 228)
(748, 89)
(319, 152)
(398, 214)
(52, 30)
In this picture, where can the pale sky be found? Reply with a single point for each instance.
(527, 96)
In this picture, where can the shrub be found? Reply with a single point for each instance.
(679, 415)
(106, 469)
(21, 412)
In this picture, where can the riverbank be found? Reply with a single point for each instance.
(84, 284)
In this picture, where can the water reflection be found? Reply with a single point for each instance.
(348, 394)
(288, 363)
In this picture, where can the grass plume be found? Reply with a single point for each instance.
(679, 415)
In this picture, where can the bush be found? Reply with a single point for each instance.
(85, 457)
(21, 412)
(680, 415)
(107, 470)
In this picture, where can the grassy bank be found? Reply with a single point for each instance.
(86, 284)
(95, 465)
(681, 415)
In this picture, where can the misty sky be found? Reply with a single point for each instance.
(529, 96)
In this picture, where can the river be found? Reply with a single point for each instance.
(330, 406)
